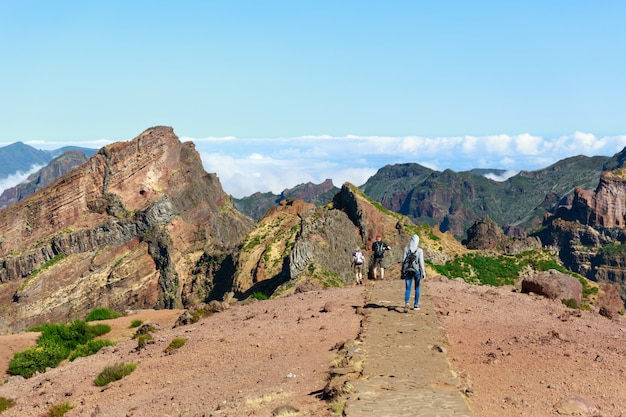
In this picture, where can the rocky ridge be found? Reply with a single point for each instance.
(125, 229)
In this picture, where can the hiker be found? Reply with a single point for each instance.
(358, 263)
(379, 247)
(413, 269)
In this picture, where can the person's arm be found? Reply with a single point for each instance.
(405, 252)
(423, 270)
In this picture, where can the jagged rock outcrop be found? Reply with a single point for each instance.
(590, 232)
(127, 229)
(261, 261)
(604, 207)
(297, 246)
(485, 234)
(554, 285)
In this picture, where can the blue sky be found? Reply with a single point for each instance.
(276, 93)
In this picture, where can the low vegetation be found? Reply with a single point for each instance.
(6, 403)
(176, 343)
(57, 343)
(102, 313)
(498, 270)
(259, 296)
(136, 323)
(114, 373)
(58, 410)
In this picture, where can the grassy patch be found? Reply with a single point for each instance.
(102, 313)
(136, 323)
(482, 269)
(89, 348)
(6, 403)
(176, 343)
(58, 410)
(114, 373)
(143, 340)
(56, 343)
(259, 296)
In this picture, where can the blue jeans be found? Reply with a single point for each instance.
(408, 279)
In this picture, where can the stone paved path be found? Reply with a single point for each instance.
(405, 370)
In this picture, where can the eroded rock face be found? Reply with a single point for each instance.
(604, 207)
(609, 302)
(485, 234)
(124, 230)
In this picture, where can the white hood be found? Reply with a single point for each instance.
(415, 240)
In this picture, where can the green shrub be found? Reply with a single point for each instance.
(56, 343)
(571, 303)
(136, 323)
(89, 348)
(6, 403)
(37, 358)
(143, 339)
(175, 344)
(99, 329)
(259, 296)
(102, 313)
(58, 410)
(482, 269)
(114, 373)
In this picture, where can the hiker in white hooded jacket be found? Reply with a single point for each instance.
(412, 269)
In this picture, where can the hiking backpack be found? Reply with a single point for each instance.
(379, 249)
(358, 258)
(410, 263)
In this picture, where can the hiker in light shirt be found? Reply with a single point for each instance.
(412, 270)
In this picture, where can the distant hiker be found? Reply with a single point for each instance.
(358, 263)
(379, 247)
(413, 269)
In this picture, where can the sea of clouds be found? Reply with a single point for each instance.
(248, 165)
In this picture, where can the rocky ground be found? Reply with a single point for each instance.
(516, 354)
(524, 355)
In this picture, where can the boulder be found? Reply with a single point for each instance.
(609, 301)
(554, 285)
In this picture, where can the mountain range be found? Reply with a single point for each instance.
(450, 200)
(140, 224)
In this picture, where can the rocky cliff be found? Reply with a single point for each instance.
(604, 207)
(127, 229)
(590, 233)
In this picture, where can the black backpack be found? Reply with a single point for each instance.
(379, 249)
(410, 263)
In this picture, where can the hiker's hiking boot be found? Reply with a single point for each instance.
(406, 308)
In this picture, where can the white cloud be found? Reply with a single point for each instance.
(502, 177)
(527, 144)
(17, 178)
(247, 165)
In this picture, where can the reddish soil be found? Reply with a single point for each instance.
(516, 355)
(524, 355)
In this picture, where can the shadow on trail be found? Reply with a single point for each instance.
(389, 308)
